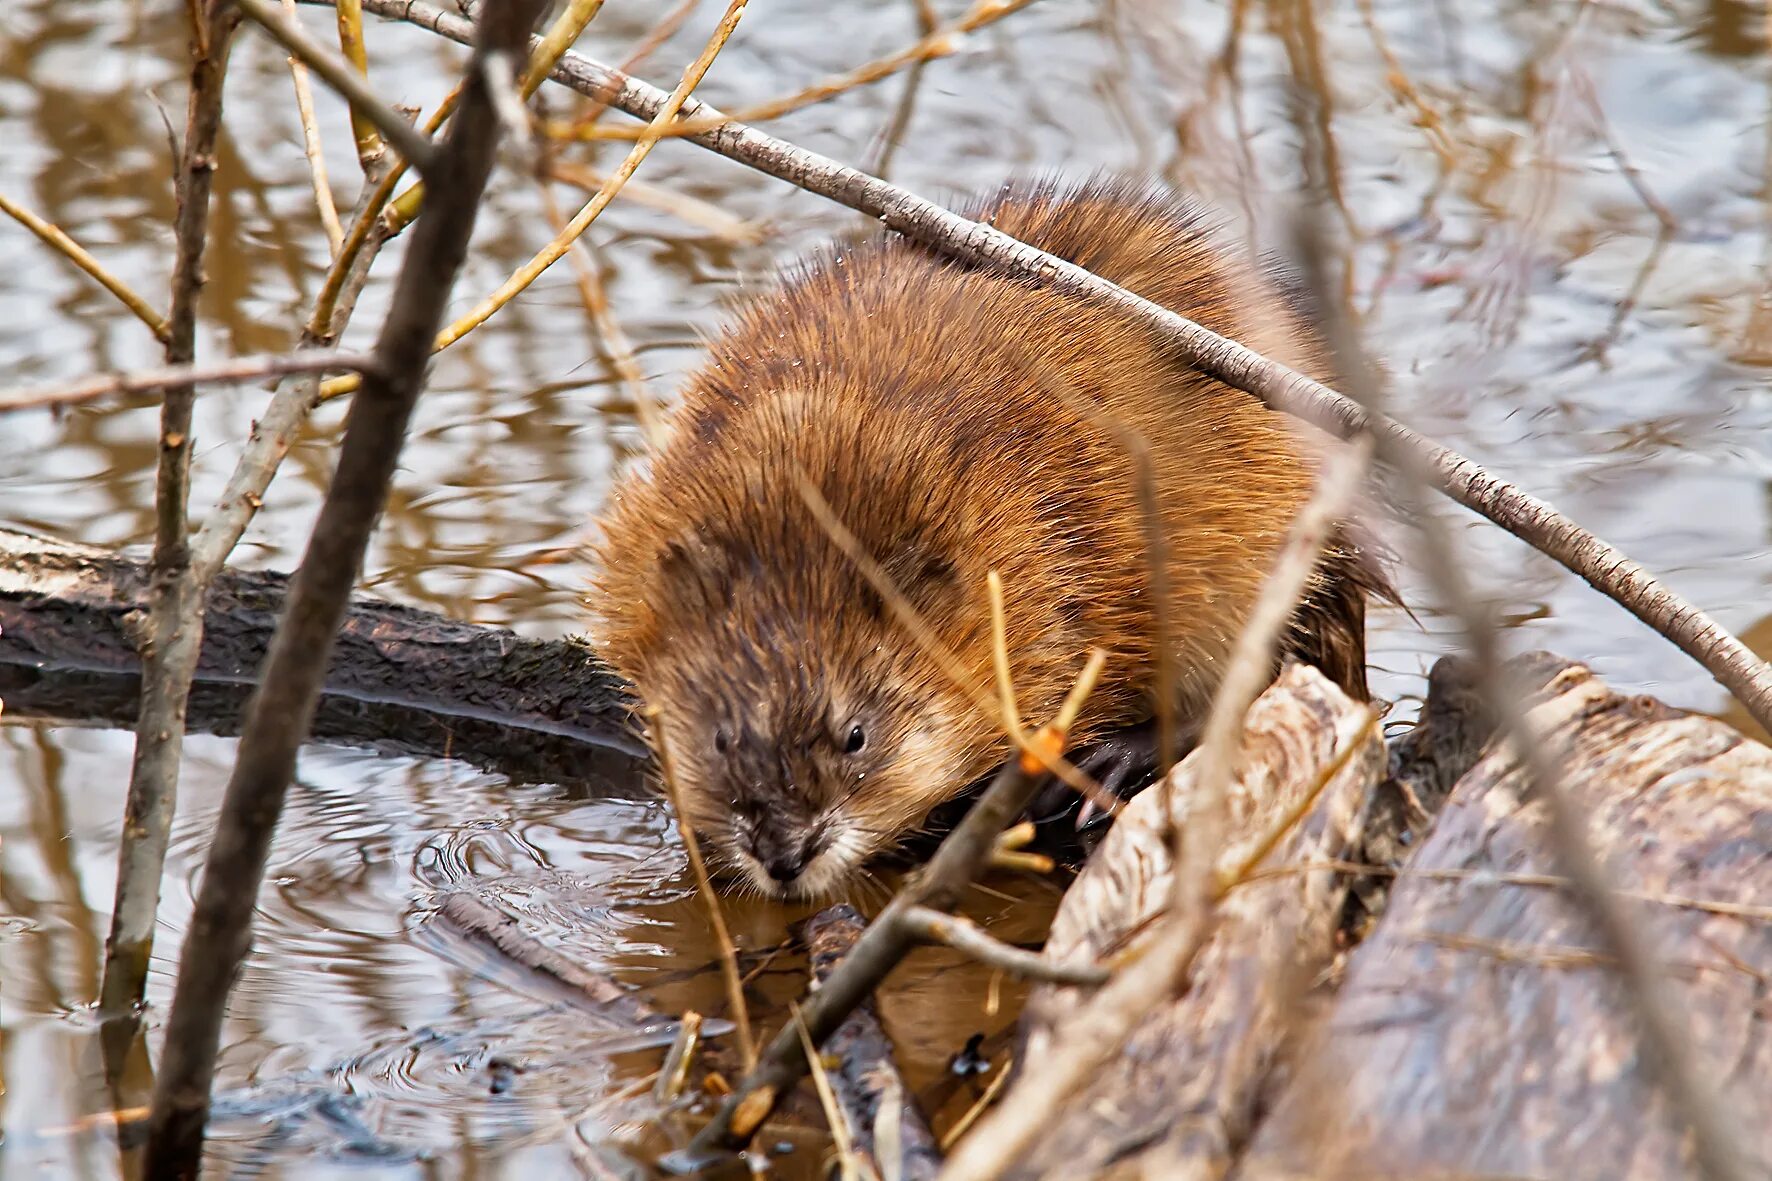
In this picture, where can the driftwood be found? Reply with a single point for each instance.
(400, 679)
(888, 1129)
(1181, 1095)
(1475, 1031)
(1478, 1032)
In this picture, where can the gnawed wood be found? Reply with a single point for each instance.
(1477, 1032)
(1181, 1096)
(401, 679)
(883, 1117)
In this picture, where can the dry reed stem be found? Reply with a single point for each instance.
(1428, 119)
(741, 1013)
(965, 1122)
(556, 249)
(842, 1139)
(939, 43)
(940, 884)
(236, 369)
(913, 622)
(338, 74)
(703, 215)
(175, 606)
(971, 940)
(620, 350)
(314, 149)
(356, 52)
(77, 254)
(1000, 655)
(1100, 1027)
(282, 708)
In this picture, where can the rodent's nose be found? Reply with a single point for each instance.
(786, 867)
(786, 859)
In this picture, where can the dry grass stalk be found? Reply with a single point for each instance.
(314, 149)
(555, 250)
(939, 43)
(741, 1014)
(703, 215)
(842, 1139)
(235, 369)
(1100, 1027)
(283, 706)
(77, 254)
(965, 1122)
(657, 35)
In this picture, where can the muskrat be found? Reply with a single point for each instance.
(956, 421)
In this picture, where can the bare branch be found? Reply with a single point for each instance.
(315, 150)
(77, 254)
(283, 706)
(236, 369)
(338, 74)
(967, 938)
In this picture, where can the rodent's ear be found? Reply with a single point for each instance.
(923, 572)
(696, 569)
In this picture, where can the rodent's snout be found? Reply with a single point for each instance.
(784, 851)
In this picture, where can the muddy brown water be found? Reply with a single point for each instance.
(1492, 160)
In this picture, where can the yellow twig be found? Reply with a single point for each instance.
(939, 43)
(356, 51)
(741, 1014)
(310, 135)
(703, 215)
(1000, 654)
(555, 250)
(556, 41)
(842, 1140)
(78, 255)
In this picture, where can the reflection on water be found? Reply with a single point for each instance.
(1505, 169)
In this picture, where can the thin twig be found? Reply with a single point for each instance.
(283, 706)
(703, 215)
(965, 1122)
(236, 369)
(939, 43)
(941, 885)
(1535, 522)
(77, 254)
(339, 74)
(356, 51)
(173, 634)
(970, 940)
(556, 249)
(315, 150)
(1000, 654)
(741, 1013)
(842, 1139)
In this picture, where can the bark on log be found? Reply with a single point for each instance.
(401, 679)
(1477, 1033)
(888, 1129)
(1180, 1098)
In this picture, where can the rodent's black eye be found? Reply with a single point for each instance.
(857, 739)
(722, 740)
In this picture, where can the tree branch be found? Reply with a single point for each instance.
(235, 369)
(281, 710)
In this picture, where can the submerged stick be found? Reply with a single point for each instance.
(220, 930)
(1603, 566)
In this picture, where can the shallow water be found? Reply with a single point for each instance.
(1529, 305)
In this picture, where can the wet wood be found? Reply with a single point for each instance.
(883, 1118)
(401, 679)
(1184, 1091)
(1478, 1033)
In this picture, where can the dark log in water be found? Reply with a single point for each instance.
(1479, 1031)
(401, 679)
(883, 1117)
(1186, 1085)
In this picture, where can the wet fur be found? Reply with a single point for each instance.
(918, 394)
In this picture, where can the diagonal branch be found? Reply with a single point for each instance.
(283, 706)
(53, 236)
(235, 369)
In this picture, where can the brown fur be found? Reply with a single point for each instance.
(918, 394)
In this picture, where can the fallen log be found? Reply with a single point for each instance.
(1479, 1032)
(401, 679)
(1180, 1097)
(888, 1129)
